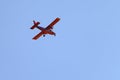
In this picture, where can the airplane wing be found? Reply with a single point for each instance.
(38, 35)
(50, 26)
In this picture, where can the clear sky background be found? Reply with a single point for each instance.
(86, 46)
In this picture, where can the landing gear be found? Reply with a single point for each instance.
(43, 35)
(54, 34)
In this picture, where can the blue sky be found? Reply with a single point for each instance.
(86, 46)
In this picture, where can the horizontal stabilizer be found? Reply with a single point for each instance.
(33, 27)
(35, 24)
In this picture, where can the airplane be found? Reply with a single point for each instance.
(44, 31)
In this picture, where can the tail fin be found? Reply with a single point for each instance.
(34, 21)
(35, 24)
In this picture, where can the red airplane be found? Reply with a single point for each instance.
(44, 31)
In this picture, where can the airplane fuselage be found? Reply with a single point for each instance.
(46, 31)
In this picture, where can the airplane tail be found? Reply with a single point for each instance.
(35, 24)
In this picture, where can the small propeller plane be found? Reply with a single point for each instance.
(44, 31)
